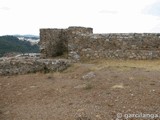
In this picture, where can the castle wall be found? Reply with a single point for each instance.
(53, 42)
(81, 44)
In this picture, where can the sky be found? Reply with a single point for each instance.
(104, 16)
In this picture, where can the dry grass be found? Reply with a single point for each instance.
(124, 65)
(88, 86)
(72, 68)
(65, 95)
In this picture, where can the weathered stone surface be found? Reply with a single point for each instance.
(23, 65)
(53, 42)
(74, 56)
(80, 43)
(89, 75)
(56, 65)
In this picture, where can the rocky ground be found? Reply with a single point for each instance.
(99, 90)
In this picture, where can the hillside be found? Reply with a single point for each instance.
(28, 36)
(10, 44)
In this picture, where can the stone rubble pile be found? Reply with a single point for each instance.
(24, 65)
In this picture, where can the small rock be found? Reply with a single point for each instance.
(32, 86)
(88, 76)
(80, 86)
(120, 86)
(19, 93)
(98, 116)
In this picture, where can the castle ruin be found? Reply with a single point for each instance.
(79, 43)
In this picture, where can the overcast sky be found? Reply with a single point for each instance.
(105, 16)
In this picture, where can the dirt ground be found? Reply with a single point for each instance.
(98, 90)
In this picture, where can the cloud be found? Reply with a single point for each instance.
(4, 8)
(153, 9)
(108, 12)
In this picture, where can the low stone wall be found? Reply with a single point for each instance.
(81, 44)
(117, 46)
(13, 66)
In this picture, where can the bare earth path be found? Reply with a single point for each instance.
(100, 90)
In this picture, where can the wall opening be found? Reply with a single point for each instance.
(61, 47)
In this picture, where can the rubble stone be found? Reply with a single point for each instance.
(21, 65)
(89, 75)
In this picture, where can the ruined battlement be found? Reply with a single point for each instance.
(79, 43)
(80, 30)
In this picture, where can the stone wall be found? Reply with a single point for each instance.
(24, 65)
(81, 44)
(53, 42)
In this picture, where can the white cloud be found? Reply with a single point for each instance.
(27, 16)
(108, 12)
(4, 8)
(153, 9)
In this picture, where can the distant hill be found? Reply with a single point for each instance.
(33, 37)
(27, 35)
(9, 44)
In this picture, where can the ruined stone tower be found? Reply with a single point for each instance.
(55, 42)
(79, 43)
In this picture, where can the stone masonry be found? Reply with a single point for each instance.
(79, 43)
(25, 65)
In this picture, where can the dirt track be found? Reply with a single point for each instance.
(127, 87)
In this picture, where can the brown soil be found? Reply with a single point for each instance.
(127, 87)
